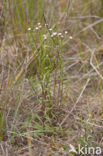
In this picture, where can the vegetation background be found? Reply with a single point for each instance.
(51, 83)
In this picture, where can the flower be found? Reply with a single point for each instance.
(50, 29)
(62, 36)
(39, 23)
(45, 37)
(54, 34)
(46, 24)
(70, 37)
(59, 34)
(36, 28)
(39, 26)
(66, 32)
(29, 29)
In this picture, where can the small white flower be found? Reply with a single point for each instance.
(36, 28)
(45, 37)
(39, 23)
(54, 34)
(62, 36)
(59, 34)
(50, 29)
(70, 37)
(46, 24)
(66, 32)
(29, 29)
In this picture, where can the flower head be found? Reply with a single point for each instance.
(50, 29)
(66, 32)
(54, 34)
(70, 37)
(37, 28)
(45, 37)
(29, 29)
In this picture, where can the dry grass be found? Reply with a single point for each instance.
(50, 76)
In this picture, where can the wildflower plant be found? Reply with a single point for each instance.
(47, 63)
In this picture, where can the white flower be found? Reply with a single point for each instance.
(39, 24)
(45, 37)
(70, 37)
(36, 28)
(29, 29)
(59, 34)
(54, 34)
(46, 24)
(66, 32)
(62, 36)
(50, 29)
